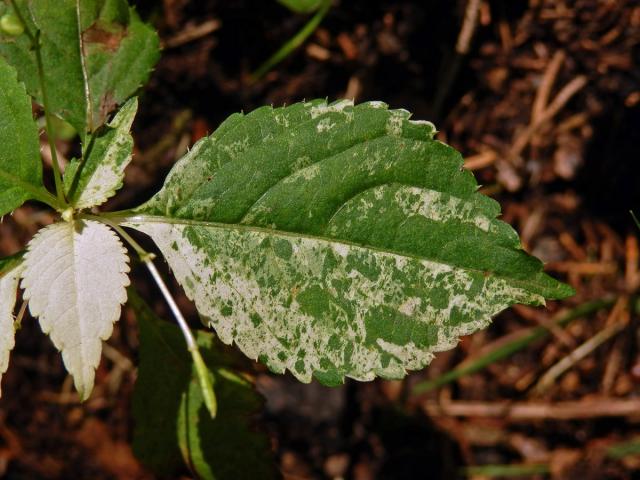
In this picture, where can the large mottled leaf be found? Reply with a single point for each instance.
(334, 240)
(20, 167)
(92, 181)
(95, 54)
(10, 271)
(74, 279)
(172, 425)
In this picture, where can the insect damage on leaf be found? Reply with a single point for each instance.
(338, 240)
(98, 37)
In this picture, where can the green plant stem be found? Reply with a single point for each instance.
(294, 42)
(624, 449)
(76, 177)
(528, 336)
(57, 178)
(35, 42)
(635, 219)
(204, 377)
(616, 451)
(512, 470)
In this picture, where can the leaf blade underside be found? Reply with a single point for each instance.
(335, 240)
(74, 280)
(10, 271)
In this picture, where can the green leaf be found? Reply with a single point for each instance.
(334, 240)
(10, 262)
(10, 271)
(301, 6)
(91, 182)
(172, 424)
(75, 274)
(95, 54)
(20, 167)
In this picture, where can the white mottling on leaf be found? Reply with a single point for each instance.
(410, 305)
(325, 125)
(377, 104)
(385, 294)
(336, 107)
(285, 307)
(104, 172)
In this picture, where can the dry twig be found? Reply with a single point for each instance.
(191, 33)
(618, 319)
(535, 411)
(523, 138)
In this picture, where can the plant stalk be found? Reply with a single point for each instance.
(35, 42)
(205, 378)
(294, 42)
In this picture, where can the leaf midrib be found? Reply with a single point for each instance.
(137, 219)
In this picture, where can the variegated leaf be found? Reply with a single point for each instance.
(337, 240)
(92, 181)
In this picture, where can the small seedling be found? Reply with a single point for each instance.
(329, 240)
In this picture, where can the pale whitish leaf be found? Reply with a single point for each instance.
(336, 240)
(74, 279)
(92, 181)
(10, 271)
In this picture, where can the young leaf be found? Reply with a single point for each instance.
(95, 55)
(10, 271)
(20, 167)
(172, 425)
(74, 279)
(91, 182)
(334, 240)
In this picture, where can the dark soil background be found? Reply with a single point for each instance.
(545, 108)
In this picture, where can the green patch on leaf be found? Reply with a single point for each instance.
(20, 166)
